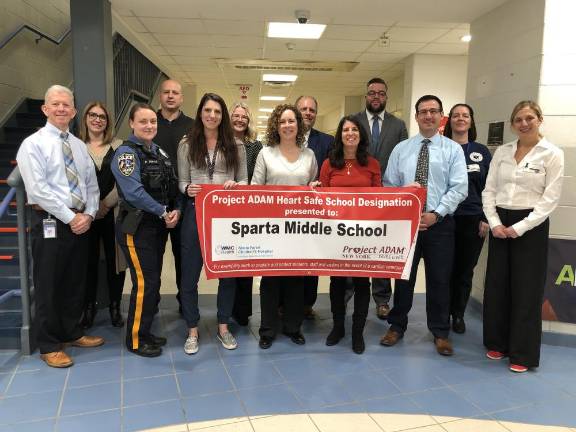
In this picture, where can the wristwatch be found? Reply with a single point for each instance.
(164, 214)
(439, 217)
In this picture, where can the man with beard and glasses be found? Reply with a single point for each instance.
(385, 131)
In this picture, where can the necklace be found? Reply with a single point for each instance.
(348, 166)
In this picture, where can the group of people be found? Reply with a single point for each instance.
(131, 195)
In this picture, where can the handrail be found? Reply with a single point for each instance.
(41, 35)
(6, 201)
(26, 340)
(132, 95)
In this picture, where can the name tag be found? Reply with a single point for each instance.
(49, 226)
(474, 168)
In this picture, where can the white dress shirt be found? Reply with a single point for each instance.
(41, 163)
(534, 183)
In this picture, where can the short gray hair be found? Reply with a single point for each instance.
(57, 88)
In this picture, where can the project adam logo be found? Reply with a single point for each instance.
(225, 249)
(364, 252)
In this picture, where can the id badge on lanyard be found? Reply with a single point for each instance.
(49, 227)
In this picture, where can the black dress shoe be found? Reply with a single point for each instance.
(147, 350)
(336, 334)
(296, 337)
(265, 342)
(458, 325)
(159, 341)
(358, 345)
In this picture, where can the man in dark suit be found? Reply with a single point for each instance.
(385, 131)
(320, 143)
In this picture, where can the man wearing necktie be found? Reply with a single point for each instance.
(63, 193)
(438, 164)
(385, 131)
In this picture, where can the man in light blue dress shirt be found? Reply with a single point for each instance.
(63, 193)
(447, 186)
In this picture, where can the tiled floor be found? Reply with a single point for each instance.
(288, 388)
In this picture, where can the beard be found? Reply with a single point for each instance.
(381, 107)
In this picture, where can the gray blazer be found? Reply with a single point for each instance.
(393, 131)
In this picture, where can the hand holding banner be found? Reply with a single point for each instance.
(296, 230)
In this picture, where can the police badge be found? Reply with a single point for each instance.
(126, 163)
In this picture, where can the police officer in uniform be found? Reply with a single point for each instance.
(147, 188)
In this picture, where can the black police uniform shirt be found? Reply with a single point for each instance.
(127, 172)
(478, 159)
(170, 134)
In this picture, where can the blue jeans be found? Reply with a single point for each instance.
(192, 266)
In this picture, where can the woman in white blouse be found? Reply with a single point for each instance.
(522, 189)
(285, 161)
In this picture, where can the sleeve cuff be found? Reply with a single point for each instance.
(521, 227)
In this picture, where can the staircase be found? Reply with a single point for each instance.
(24, 121)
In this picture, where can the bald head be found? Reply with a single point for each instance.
(171, 97)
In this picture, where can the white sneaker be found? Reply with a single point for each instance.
(191, 345)
(228, 341)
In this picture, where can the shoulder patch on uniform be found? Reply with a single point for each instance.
(476, 157)
(126, 163)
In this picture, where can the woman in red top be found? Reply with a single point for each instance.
(350, 165)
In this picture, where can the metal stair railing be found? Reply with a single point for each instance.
(41, 35)
(26, 288)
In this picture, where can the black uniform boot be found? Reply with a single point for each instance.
(358, 345)
(337, 332)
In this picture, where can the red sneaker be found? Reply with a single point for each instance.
(518, 368)
(495, 355)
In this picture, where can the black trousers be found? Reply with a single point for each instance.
(291, 288)
(102, 230)
(59, 274)
(467, 247)
(361, 287)
(436, 246)
(310, 290)
(514, 290)
(243, 299)
(144, 251)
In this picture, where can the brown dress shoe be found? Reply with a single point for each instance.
(443, 346)
(88, 341)
(391, 338)
(382, 311)
(57, 359)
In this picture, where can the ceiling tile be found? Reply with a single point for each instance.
(414, 34)
(235, 27)
(343, 45)
(196, 40)
(453, 36)
(135, 24)
(354, 32)
(173, 25)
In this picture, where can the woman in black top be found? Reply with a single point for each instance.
(97, 132)
(471, 225)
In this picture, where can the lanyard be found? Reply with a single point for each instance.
(211, 164)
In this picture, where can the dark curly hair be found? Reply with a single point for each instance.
(226, 143)
(471, 131)
(272, 135)
(336, 155)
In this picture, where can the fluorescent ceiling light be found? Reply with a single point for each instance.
(295, 30)
(279, 77)
(263, 117)
(272, 98)
(466, 38)
(268, 110)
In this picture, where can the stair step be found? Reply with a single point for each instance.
(9, 283)
(30, 120)
(18, 134)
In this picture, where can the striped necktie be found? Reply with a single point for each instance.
(375, 135)
(71, 174)
(421, 175)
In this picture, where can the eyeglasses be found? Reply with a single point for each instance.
(373, 93)
(432, 111)
(94, 116)
(240, 117)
